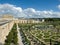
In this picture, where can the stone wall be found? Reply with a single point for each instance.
(4, 31)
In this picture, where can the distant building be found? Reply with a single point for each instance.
(31, 20)
(7, 17)
(22, 20)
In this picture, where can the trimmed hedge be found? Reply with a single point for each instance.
(12, 36)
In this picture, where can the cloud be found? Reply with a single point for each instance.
(27, 13)
(59, 0)
(58, 6)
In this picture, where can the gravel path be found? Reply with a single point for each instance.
(19, 37)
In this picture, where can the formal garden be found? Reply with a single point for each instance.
(45, 33)
(42, 34)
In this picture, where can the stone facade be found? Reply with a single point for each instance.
(29, 21)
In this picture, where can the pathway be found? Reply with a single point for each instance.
(19, 37)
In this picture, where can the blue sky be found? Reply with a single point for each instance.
(31, 8)
(36, 4)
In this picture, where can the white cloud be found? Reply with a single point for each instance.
(58, 6)
(29, 12)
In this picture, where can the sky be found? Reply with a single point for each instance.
(31, 8)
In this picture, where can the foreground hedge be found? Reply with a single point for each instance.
(12, 36)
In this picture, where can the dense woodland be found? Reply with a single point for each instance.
(52, 19)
